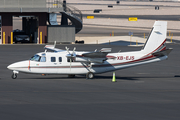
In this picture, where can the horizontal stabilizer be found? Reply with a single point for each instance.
(162, 53)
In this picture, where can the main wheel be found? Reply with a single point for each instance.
(89, 75)
(14, 76)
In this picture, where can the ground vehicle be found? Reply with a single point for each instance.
(20, 36)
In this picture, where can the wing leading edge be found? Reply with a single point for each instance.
(98, 54)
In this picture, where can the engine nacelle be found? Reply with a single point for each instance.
(81, 59)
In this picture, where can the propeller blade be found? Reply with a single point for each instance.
(73, 53)
(54, 44)
(74, 49)
(67, 49)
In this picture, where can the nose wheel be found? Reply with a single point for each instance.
(14, 75)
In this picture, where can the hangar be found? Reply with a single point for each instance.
(39, 20)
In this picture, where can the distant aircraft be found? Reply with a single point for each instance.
(73, 63)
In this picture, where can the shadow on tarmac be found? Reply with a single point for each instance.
(131, 78)
(79, 77)
(177, 76)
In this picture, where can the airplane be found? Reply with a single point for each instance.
(71, 63)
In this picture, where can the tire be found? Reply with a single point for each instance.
(14, 76)
(89, 75)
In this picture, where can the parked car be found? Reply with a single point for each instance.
(20, 36)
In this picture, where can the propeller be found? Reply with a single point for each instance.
(70, 55)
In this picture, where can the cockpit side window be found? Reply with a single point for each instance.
(53, 59)
(35, 58)
(43, 59)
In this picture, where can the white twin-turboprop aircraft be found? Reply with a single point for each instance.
(89, 63)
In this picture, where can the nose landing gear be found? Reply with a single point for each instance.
(14, 75)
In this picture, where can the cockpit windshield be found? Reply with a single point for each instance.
(35, 58)
(38, 58)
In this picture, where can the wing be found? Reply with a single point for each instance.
(94, 57)
(52, 48)
(100, 54)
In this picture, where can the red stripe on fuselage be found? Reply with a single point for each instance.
(103, 65)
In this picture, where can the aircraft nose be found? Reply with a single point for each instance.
(18, 65)
(10, 66)
(14, 66)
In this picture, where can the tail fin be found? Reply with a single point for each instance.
(157, 38)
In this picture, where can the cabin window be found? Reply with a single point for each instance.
(60, 59)
(35, 58)
(53, 59)
(43, 59)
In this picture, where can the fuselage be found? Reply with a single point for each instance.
(58, 63)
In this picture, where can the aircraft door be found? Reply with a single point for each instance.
(53, 65)
(60, 64)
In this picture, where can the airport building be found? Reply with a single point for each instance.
(39, 21)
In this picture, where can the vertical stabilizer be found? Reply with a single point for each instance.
(157, 38)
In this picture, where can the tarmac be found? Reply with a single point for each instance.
(148, 92)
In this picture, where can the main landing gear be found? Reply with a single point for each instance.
(14, 75)
(89, 75)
